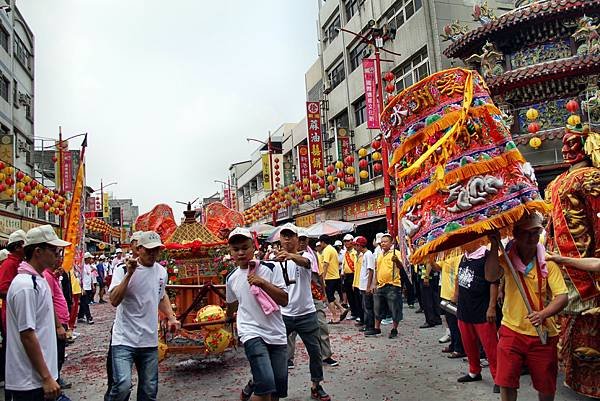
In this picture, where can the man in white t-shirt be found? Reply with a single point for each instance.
(367, 284)
(31, 326)
(319, 299)
(139, 294)
(263, 335)
(300, 314)
(87, 295)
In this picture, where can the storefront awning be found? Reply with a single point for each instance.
(367, 221)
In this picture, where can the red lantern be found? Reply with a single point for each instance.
(2, 165)
(54, 159)
(34, 201)
(321, 182)
(378, 167)
(27, 188)
(46, 206)
(330, 168)
(572, 106)
(350, 180)
(340, 174)
(331, 187)
(2, 187)
(21, 195)
(376, 144)
(533, 127)
(20, 175)
(363, 164)
(315, 194)
(314, 178)
(390, 88)
(33, 183)
(349, 160)
(45, 191)
(389, 76)
(9, 181)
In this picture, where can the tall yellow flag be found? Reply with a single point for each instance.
(75, 223)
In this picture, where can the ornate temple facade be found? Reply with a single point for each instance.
(539, 55)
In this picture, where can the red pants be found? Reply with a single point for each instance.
(474, 333)
(516, 349)
(74, 311)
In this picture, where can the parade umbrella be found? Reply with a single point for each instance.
(330, 227)
(262, 229)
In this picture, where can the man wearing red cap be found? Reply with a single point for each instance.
(366, 282)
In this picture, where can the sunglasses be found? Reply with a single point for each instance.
(53, 249)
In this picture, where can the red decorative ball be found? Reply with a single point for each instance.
(348, 160)
(45, 191)
(340, 174)
(330, 168)
(315, 194)
(572, 106)
(378, 167)
(21, 195)
(34, 201)
(533, 127)
(33, 183)
(27, 188)
(363, 164)
(9, 181)
(276, 160)
(331, 187)
(389, 76)
(20, 175)
(376, 144)
(2, 187)
(321, 182)
(350, 180)
(2, 165)
(390, 88)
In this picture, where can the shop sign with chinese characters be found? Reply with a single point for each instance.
(315, 142)
(307, 220)
(365, 209)
(303, 162)
(372, 105)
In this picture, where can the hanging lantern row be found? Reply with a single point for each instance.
(533, 128)
(31, 191)
(390, 88)
(100, 226)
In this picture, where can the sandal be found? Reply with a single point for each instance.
(456, 355)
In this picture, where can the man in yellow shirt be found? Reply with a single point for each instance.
(331, 271)
(348, 272)
(518, 342)
(389, 287)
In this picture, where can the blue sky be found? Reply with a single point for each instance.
(168, 90)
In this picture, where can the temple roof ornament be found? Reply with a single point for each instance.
(454, 31)
(490, 61)
(483, 13)
(587, 36)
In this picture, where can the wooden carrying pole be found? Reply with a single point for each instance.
(542, 334)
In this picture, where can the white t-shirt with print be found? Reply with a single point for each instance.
(368, 263)
(86, 277)
(136, 320)
(251, 320)
(29, 308)
(300, 300)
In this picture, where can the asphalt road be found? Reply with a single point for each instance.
(410, 367)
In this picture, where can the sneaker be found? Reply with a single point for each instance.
(80, 320)
(393, 333)
(330, 361)
(291, 364)
(352, 318)
(444, 339)
(496, 389)
(387, 321)
(344, 314)
(468, 378)
(363, 329)
(317, 393)
(90, 321)
(372, 332)
(247, 391)
(411, 306)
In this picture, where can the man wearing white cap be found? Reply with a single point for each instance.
(348, 267)
(8, 271)
(139, 294)
(86, 295)
(31, 324)
(133, 242)
(118, 259)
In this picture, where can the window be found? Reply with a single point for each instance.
(360, 111)
(22, 54)
(336, 75)
(4, 87)
(331, 31)
(351, 7)
(413, 70)
(341, 120)
(356, 55)
(402, 11)
(29, 108)
(4, 38)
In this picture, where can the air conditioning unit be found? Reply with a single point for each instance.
(327, 86)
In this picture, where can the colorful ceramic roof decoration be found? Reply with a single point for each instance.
(159, 219)
(458, 173)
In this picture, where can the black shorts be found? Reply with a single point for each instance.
(331, 286)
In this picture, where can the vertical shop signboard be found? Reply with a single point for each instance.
(7, 156)
(369, 75)
(303, 162)
(266, 171)
(315, 139)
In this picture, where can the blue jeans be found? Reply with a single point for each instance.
(307, 326)
(146, 364)
(391, 296)
(268, 364)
